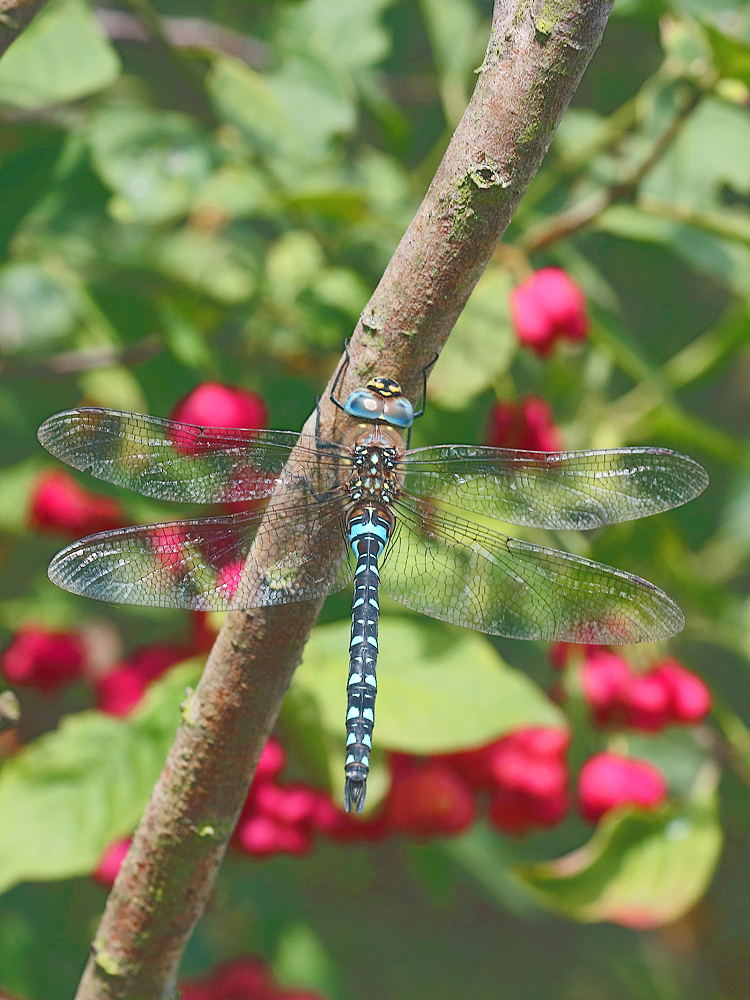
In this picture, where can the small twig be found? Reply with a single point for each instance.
(72, 362)
(187, 33)
(561, 226)
(10, 710)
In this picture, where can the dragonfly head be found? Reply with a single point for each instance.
(381, 399)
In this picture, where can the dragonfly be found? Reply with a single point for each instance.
(369, 509)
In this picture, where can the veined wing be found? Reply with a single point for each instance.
(568, 489)
(175, 461)
(198, 564)
(459, 572)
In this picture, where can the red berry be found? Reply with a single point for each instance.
(41, 659)
(120, 690)
(272, 761)
(608, 780)
(110, 862)
(228, 578)
(430, 800)
(217, 406)
(606, 680)
(649, 702)
(527, 424)
(243, 979)
(262, 836)
(690, 695)
(547, 306)
(290, 805)
(60, 504)
(167, 543)
(239, 979)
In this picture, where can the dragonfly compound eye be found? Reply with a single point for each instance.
(365, 404)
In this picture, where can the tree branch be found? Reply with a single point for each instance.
(187, 33)
(532, 67)
(15, 15)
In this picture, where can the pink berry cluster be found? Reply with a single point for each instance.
(524, 774)
(665, 695)
(247, 978)
(546, 307)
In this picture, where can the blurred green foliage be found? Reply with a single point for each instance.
(222, 209)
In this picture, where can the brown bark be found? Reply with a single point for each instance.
(537, 52)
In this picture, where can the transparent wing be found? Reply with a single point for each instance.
(459, 572)
(573, 489)
(198, 564)
(174, 461)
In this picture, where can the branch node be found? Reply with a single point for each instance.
(484, 175)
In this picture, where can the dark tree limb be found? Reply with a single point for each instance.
(536, 55)
(15, 15)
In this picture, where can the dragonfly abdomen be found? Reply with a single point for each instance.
(369, 527)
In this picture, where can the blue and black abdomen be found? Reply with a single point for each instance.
(369, 530)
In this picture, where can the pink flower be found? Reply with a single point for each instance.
(60, 504)
(608, 780)
(547, 306)
(217, 406)
(428, 800)
(41, 659)
(110, 862)
(527, 424)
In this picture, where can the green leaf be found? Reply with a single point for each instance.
(481, 346)
(33, 307)
(62, 56)
(439, 689)
(452, 26)
(640, 869)
(731, 55)
(244, 99)
(70, 793)
(209, 263)
(712, 150)
(155, 161)
(342, 33)
(315, 101)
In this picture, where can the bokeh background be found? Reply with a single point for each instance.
(196, 201)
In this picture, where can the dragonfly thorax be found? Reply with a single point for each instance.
(373, 474)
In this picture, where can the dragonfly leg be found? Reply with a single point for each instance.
(342, 368)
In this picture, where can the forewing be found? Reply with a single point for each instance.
(459, 572)
(573, 489)
(198, 564)
(174, 461)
